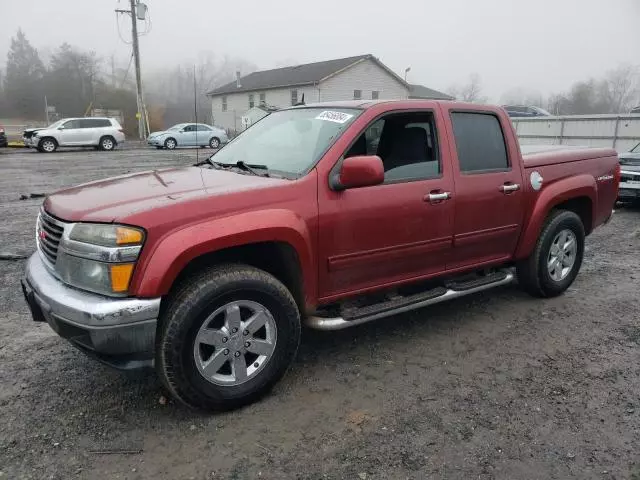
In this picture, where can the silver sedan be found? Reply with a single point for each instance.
(188, 135)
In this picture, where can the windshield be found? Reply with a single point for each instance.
(288, 141)
(55, 124)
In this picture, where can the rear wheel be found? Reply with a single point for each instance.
(170, 143)
(107, 143)
(48, 145)
(556, 259)
(227, 337)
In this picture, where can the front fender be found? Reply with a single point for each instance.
(159, 268)
(551, 196)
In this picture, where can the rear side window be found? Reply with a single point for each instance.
(94, 123)
(480, 142)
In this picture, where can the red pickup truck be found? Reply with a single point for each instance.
(330, 215)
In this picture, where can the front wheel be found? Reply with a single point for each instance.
(48, 145)
(227, 336)
(214, 142)
(556, 259)
(170, 143)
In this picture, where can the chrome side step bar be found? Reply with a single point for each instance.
(339, 323)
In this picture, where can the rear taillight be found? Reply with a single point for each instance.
(1, 129)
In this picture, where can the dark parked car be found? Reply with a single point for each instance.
(3, 138)
(524, 111)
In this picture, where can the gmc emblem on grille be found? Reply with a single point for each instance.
(42, 234)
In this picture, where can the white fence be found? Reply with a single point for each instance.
(621, 132)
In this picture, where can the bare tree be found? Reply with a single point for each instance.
(620, 88)
(469, 92)
(522, 96)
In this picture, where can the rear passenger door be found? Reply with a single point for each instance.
(488, 188)
(89, 130)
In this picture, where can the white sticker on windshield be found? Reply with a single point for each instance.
(337, 117)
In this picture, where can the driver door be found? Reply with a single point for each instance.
(188, 136)
(391, 233)
(70, 133)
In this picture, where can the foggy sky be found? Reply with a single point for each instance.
(544, 45)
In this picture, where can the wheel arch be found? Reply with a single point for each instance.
(282, 249)
(577, 194)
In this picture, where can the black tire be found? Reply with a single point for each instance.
(533, 273)
(186, 312)
(107, 143)
(43, 145)
(214, 143)
(170, 143)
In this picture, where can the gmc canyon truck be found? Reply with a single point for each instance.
(331, 215)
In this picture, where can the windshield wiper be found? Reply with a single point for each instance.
(240, 164)
(252, 168)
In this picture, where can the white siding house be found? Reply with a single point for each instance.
(362, 77)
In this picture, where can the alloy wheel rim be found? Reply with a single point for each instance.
(562, 255)
(235, 343)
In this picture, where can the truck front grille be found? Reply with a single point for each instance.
(49, 233)
(629, 177)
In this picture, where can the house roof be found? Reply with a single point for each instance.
(297, 75)
(420, 91)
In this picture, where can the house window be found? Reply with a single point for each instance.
(357, 94)
(263, 98)
(224, 103)
(251, 101)
(294, 96)
(375, 95)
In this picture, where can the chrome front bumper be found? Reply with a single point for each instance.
(118, 331)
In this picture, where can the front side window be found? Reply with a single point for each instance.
(406, 144)
(251, 101)
(480, 142)
(288, 141)
(357, 94)
(70, 124)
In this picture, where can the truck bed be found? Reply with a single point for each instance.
(540, 155)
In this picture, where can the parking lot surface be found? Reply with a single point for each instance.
(496, 385)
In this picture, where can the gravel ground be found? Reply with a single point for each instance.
(497, 385)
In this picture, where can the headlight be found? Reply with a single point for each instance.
(106, 235)
(99, 257)
(99, 277)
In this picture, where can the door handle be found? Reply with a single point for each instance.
(509, 188)
(437, 197)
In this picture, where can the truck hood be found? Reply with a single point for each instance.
(116, 198)
(630, 161)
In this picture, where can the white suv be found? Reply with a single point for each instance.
(101, 133)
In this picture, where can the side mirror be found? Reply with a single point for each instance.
(359, 171)
(61, 127)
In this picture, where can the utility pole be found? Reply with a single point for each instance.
(141, 114)
(136, 59)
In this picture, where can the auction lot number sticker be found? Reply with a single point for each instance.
(337, 117)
